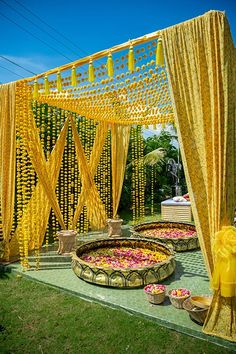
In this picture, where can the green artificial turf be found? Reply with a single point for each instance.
(38, 319)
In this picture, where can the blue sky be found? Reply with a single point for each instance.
(91, 26)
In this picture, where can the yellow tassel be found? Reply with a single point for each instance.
(110, 66)
(146, 126)
(160, 61)
(59, 82)
(73, 77)
(46, 86)
(91, 77)
(163, 125)
(154, 126)
(131, 59)
(36, 89)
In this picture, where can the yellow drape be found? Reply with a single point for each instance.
(99, 141)
(89, 195)
(38, 209)
(201, 70)
(30, 134)
(120, 144)
(7, 160)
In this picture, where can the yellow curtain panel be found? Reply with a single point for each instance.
(35, 218)
(101, 134)
(120, 143)
(30, 134)
(96, 209)
(7, 160)
(200, 60)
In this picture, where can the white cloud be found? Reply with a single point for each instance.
(31, 63)
(35, 63)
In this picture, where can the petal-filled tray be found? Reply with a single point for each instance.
(181, 236)
(123, 262)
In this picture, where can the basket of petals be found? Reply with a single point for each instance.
(178, 296)
(155, 293)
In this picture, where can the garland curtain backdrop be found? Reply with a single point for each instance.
(198, 90)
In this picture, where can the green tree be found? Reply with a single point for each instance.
(158, 149)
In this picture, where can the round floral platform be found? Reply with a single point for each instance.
(123, 262)
(181, 236)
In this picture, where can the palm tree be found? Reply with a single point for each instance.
(155, 157)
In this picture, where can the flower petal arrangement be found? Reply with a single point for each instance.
(181, 292)
(154, 288)
(123, 262)
(178, 296)
(168, 232)
(180, 236)
(124, 257)
(155, 293)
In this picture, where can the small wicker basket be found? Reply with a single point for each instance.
(177, 301)
(196, 313)
(156, 298)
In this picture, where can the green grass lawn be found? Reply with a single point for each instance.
(38, 319)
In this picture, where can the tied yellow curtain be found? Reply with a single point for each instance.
(201, 70)
(224, 275)
(119, 149)
(7, 160)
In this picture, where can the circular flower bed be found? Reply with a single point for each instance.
(181, 236)
(123, 262)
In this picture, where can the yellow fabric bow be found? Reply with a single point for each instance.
(224, 275)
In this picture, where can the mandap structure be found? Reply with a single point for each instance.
(64, 136)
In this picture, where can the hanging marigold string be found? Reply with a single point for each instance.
(138, 179)
(137, 94)
(152, 190)
(127, 88)
(141, 174)
(54, 134)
